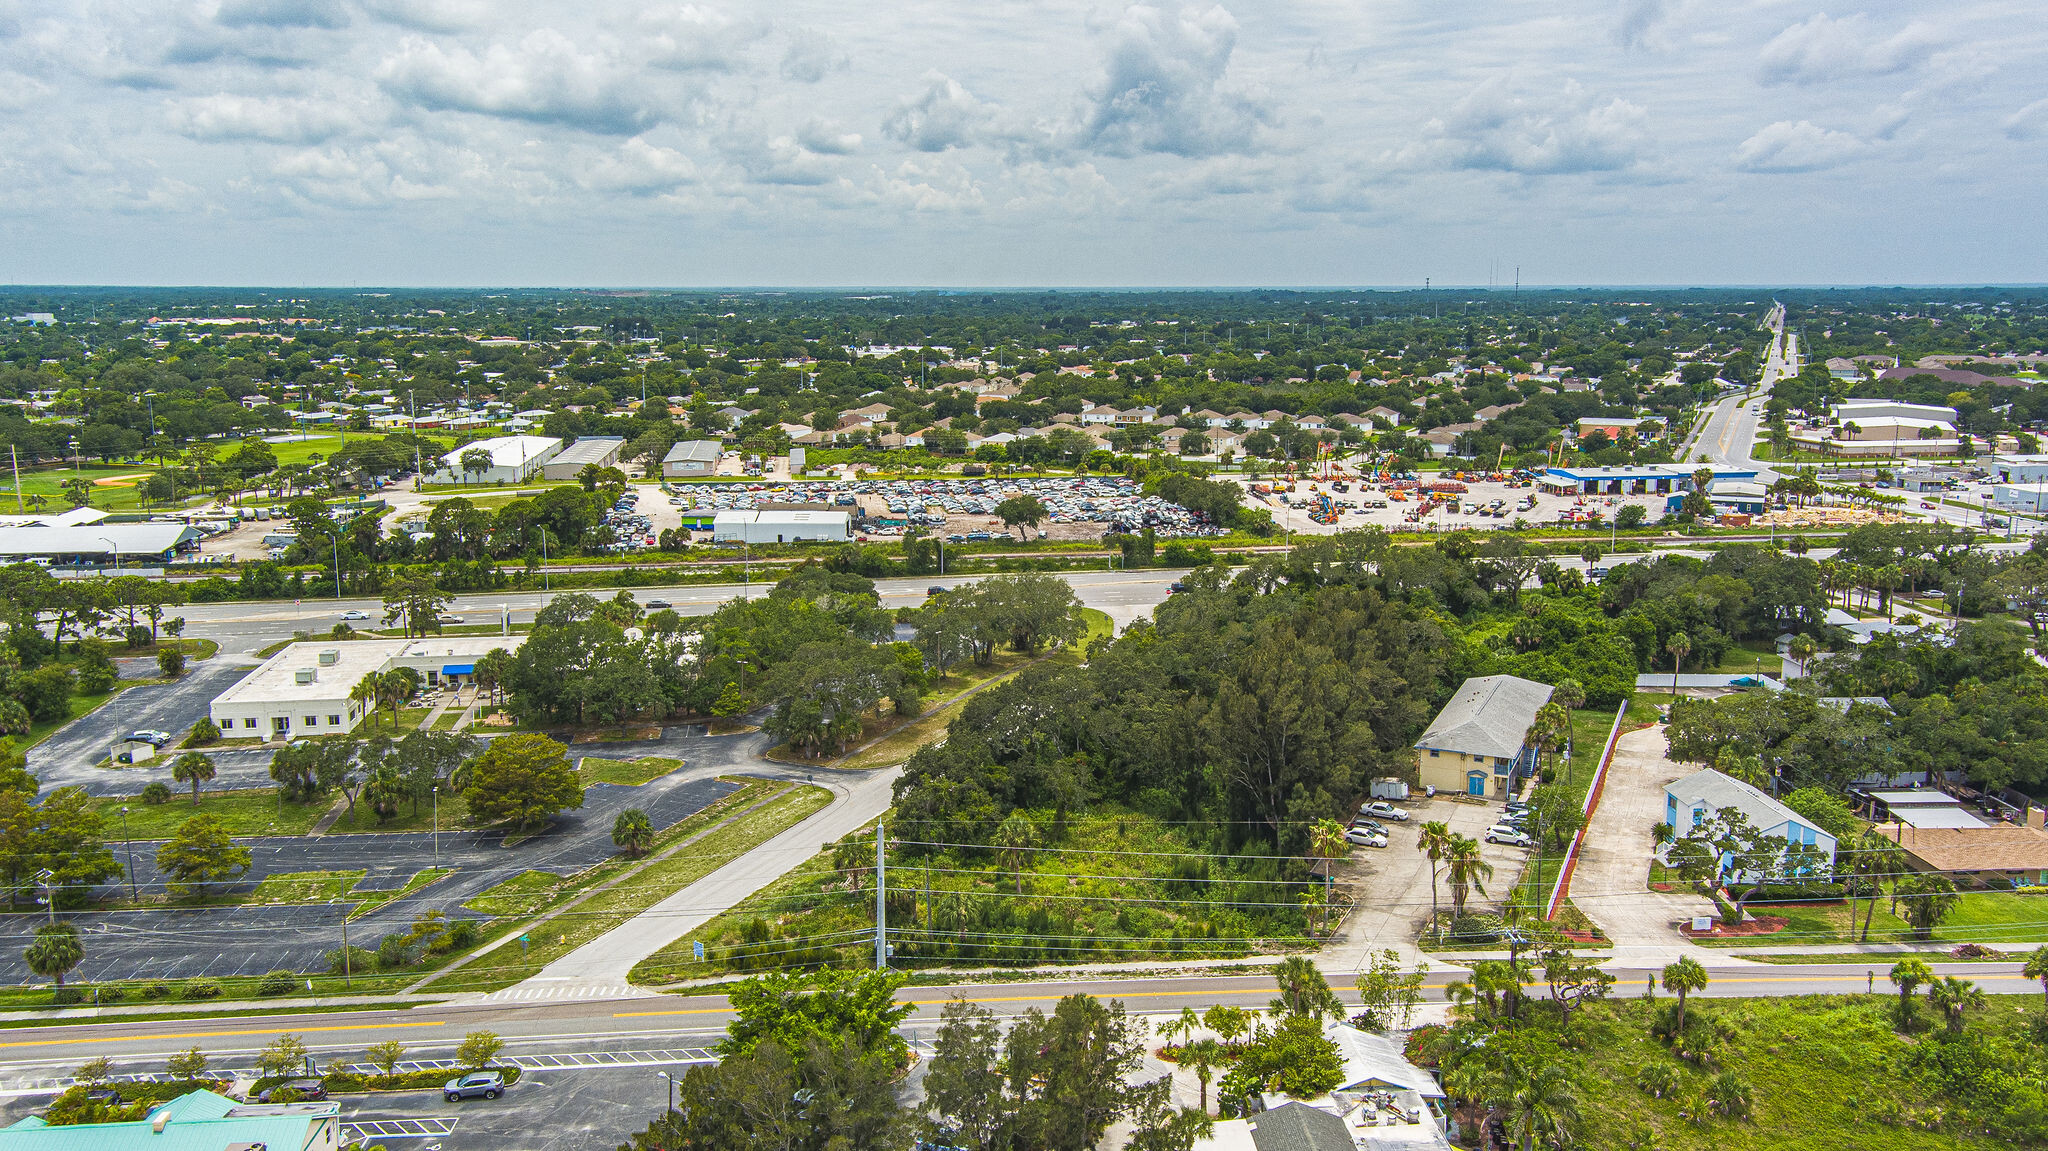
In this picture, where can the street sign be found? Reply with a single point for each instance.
(697, 948)
(523, 941)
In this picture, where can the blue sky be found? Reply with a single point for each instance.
(285, 142)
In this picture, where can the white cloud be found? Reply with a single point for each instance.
(545, 78)
(694, 39)
(639, 168)
(811, 57)
(1504, 126)
(429, 15)
(279, 121)
(1821, 50)
(1164, 86)
(2029, 122)
(1803, 146)
(945, 116)
(826, 137)
(281, 14)
(936, 185)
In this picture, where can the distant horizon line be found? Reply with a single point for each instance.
(927, 289)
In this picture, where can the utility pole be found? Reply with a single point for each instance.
(881, 911)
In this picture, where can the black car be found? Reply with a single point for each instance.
(658, 605)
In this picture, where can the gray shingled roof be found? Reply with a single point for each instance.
(1723, 792)
(1490, 715)
(1299, 1127)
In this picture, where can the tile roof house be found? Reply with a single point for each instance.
(1479, 743)
(1385, 413)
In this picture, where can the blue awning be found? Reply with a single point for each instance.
(459, 669)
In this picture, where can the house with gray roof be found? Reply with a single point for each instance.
(1698, 797)
(1479, 743)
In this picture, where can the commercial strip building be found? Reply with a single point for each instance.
(195, 1121)
(514, 460)
(590, 451)
(781, 527)
(692, 458)
(1641, 479)
(304, 689)
(99, 543)
(1479, 743)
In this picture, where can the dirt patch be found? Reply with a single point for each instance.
(1760, 925)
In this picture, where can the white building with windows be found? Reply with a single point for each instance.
(304, 689)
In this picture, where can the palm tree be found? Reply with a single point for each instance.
(1803, 649)
(633, 832)
(194, 768)
(1907, 975)
(1542, 1106)
(366, 693)
(1202, 1057)
(1680, 646)
(1303, 990)
(2037, 968)
(1877, 859)
(1952, 996)
(1929, 897)
(1569, 694)
(55, 952)
(1015, 835)
(1326, 841)
(1552, 728)
(1682, 979)
(1435, 842)
(1468, 871)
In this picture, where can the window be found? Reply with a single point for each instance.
(248, 723)
(334, 721)
(312, 721)
(1433, 753)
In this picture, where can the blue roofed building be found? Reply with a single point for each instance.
(195, 1121)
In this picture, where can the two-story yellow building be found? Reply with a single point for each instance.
(1479, 743)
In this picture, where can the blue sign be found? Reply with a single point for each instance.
(697, 946)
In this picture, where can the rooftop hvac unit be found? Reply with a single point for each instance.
(304, 675)
(329, 658)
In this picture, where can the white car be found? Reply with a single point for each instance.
(1512, 836)
(355, 613)
(1384, 811)
(1365, 838)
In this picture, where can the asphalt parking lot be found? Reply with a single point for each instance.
(544, 1111)
(162, 943)
(67, 757)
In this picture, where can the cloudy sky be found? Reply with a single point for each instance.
(995, 142)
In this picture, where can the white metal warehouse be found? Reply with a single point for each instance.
(781, 527)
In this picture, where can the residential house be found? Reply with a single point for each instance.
(1212, 417)
(1099, 414)
(1996, 855)
(868, 416)
(1386, 413)
(1492, 412)
(1479, 743)
(1691, 801)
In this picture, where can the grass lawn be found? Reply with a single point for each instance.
(454, 811)
(369, 901)
(643, 888)
(300, 451)
(246, 811)
(1749, 657)
(1827, 1073)
(518, 897)
(305, 887)
(1098, 623)
(626, 773)
(78, 705)
(1124, 886)
(487, 503)
(2002, 919)
(119, 491)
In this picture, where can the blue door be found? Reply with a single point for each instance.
(1475, 783)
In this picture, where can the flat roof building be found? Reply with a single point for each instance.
(304, 689)
(1643, 479)
(98, 543)
(514, 460)
(778, 527)
(692, 458)
(590, 451)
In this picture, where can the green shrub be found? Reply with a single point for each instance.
(461, 935)
(156, 793)
(278, 983)
(201, 988)
(157, 990)
(1475, 929)
(395, 951)
(203, 733)
(350, 960)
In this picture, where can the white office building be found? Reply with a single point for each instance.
(304, 689)
(514, 460)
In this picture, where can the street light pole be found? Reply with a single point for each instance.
(437, 825)
(128, 845)
(671, 1090)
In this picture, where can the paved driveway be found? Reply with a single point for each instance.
(1391, 885)
(1611, 882)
